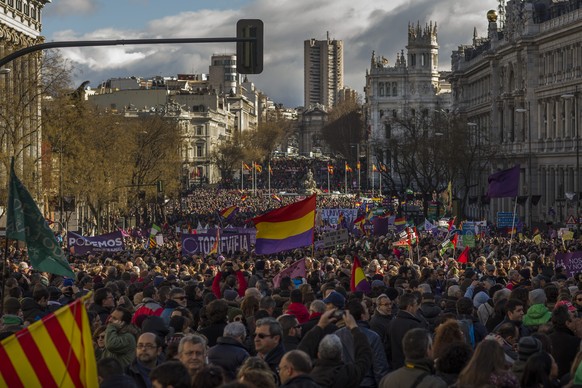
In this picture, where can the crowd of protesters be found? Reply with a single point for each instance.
(507, 318)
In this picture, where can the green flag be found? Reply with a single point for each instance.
(26, 223)
(446, 245)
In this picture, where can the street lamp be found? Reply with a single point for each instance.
(574, 97)
(529, 179)
(478, 136)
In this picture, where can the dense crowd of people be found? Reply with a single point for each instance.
(507, 318)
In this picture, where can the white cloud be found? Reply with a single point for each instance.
(71, 7)
(364, 27)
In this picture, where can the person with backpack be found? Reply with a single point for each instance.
(473, 330)
(418, 370)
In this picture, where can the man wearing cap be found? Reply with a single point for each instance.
(527, 346)
(404, 321)
(334, 300)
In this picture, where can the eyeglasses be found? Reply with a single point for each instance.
(262, 336)
(146, 346)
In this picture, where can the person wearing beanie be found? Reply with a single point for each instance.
(480, 298)
(526, 347)
(537, 314)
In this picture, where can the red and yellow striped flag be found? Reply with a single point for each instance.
(56, 351)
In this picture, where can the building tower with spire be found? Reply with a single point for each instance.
(412, 86)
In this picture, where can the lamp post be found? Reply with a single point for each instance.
(529, 179)
(478, 136)
(574, 97)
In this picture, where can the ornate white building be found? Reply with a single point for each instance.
(20, 122)
(412, 83)
(521, 85)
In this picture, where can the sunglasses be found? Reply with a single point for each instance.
(262, 336)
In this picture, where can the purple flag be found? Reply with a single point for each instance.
(504, 183)
(294, 270)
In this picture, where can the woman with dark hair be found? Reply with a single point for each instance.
(210, 376)
(487, 368)
(453, 358)
(540, 372)
(498, 315)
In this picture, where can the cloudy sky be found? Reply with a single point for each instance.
(363, 25)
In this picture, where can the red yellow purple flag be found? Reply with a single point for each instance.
(286, 228)
(56, 351)
(358, 280)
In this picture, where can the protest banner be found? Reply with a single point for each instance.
(202, 243)
(82, 245)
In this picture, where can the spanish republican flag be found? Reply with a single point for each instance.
(56, 351)
(286, 228)
(229, 212)
(358, 280)
(214, 248)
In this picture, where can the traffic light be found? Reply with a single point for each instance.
(249, 55)
(160, 186)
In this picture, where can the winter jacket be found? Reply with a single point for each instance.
(379, 366)
(335, 373)
(485, 311)
(565, 346)
(430, 311)
(303, 381)
(299, 311)
(415, 371)
(229, 354)
(273, 358)
(212, 332)
(147, 307)
(379, 323)
(120, 343)
(400, 325)
(32, 311)
(536, 315)
(140, 373)
(169, 308)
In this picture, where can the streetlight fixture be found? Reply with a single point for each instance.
(529, 178)
(574, 96)
(478, 136)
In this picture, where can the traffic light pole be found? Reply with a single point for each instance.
(251, 41)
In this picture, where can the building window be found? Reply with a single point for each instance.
(387, 130)
(33, 13)
(394, 89)
(26, 7)
(199, 150)
(199, 130)
(19, 5)
(381, 88)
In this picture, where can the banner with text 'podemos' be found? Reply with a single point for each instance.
(202, 243)
(571, 261)
(81, 245)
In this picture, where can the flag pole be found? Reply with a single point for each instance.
(329, 192)
(242, 176)
(380, 194)
(346, 177)
(359, 176)
(373, 180)
(269, 175)
(512, 226)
